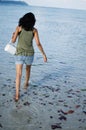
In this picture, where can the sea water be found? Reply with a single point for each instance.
(62, 33)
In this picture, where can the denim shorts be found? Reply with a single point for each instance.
(28, 60)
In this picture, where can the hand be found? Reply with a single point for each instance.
(45, 58)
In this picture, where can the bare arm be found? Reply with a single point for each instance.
(36, 36)
(15, 34)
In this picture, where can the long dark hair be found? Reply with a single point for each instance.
(27, 21)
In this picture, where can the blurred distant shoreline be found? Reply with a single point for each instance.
(2, 2)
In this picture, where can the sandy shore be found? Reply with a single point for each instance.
(61, 105)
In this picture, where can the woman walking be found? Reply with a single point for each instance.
(25, 32)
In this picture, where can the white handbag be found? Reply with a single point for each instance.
(10, 48)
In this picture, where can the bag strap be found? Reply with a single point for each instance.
(10, 42)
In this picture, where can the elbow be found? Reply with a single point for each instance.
(39, 44)
(13, 40)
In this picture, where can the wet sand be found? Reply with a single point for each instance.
(61, 105)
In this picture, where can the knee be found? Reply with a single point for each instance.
(19, 74)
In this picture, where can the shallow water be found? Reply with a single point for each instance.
(56, 96)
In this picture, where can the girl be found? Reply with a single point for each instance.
(25, 31)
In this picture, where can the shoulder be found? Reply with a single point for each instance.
(35, 31)
(18, 29)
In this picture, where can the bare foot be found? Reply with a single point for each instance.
(16, 98)
(26, 85)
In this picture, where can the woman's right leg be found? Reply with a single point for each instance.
(18, 79)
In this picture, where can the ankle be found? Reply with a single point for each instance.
(26, 85)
